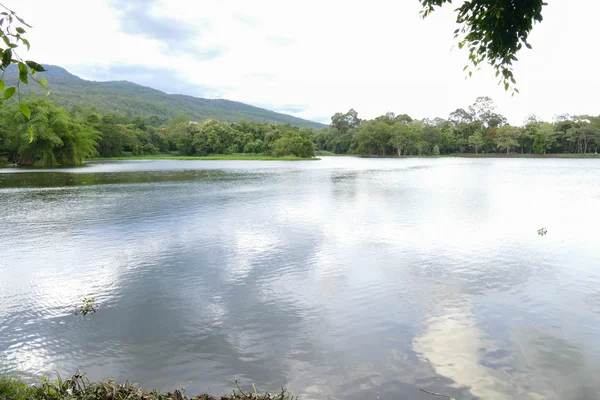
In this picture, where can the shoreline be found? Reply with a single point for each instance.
(78, 387)
(217, 157)
(487, 155)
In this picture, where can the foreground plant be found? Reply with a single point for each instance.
(78, 387)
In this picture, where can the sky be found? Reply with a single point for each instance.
(313, 58)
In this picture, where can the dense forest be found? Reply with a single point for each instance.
(478, 129)
(57, 136)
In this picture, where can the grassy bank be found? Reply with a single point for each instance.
(519, 155)
(488, 155)
(78, 387)
(248, 157)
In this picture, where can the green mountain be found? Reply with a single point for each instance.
(70, 91)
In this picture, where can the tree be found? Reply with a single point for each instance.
(415, 134)
(399, 137)
(58, 139)
(292, 143)
(506, 137)
(476, 141)
(484, 111)
(583, 132)
(344, 122)
(494, 31)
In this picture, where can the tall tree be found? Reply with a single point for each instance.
(476, 141)
(506, 137)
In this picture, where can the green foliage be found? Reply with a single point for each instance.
(476, 141)
(45, 135)
(78, 387)
(14, 389)
(291, 143)
(506, 137)
(494, 31)
(477, 128)
(12, 31)
(88, 307)
(55, 136)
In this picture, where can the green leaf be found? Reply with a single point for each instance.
(26, 43)
(20, 30)
(1, 85)
(6, 40)
(30, 134)
(22, 67)
(23, 22)
(8, 93)
(25, 110)
(23, 72)
(42, 82)
(528, 46)
(35, 66)
(6, 58)
(506, 85)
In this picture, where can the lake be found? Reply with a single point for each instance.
(344, 278)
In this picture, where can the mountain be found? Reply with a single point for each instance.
(70, 91)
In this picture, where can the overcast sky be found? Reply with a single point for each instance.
(312, 58)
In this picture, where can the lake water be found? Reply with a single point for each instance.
(344, 278)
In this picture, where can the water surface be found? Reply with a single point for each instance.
(344, 278)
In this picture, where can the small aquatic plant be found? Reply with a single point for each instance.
(88, 306)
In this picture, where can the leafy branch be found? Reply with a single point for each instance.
(493, 31)
(12, 31)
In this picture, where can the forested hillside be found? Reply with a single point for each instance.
(134, 100)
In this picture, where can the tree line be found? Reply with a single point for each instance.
(68, 137)
(57, 136)
(478, 129)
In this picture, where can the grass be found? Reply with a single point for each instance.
(487, 155)
(77, 387)
(248, 157)
(519, 155)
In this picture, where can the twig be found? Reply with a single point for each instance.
(436, 394)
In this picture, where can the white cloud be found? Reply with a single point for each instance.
(325, 57)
